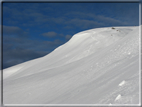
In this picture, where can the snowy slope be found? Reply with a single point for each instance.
(97, 66)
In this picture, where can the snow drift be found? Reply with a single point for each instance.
(97, 66)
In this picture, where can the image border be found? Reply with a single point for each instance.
(73, 1)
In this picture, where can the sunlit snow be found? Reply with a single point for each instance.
(97, 66)
(122, 83)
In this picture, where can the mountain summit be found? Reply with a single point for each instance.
(97, 66)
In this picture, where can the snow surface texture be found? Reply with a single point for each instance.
(97, 66)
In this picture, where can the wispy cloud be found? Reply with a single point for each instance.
(83, 23)
(35, 16)
(54, 43)
(14, 31)
(50, 34)
(110, 21)
(68, 37)
(93, 19)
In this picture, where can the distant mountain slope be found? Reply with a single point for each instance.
(97, 66)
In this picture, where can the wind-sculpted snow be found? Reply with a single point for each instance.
(97, 66)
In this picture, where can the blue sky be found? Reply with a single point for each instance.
(32, 30)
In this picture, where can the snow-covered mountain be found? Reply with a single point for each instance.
(97, 66)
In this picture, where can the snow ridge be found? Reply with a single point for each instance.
(97, 66)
